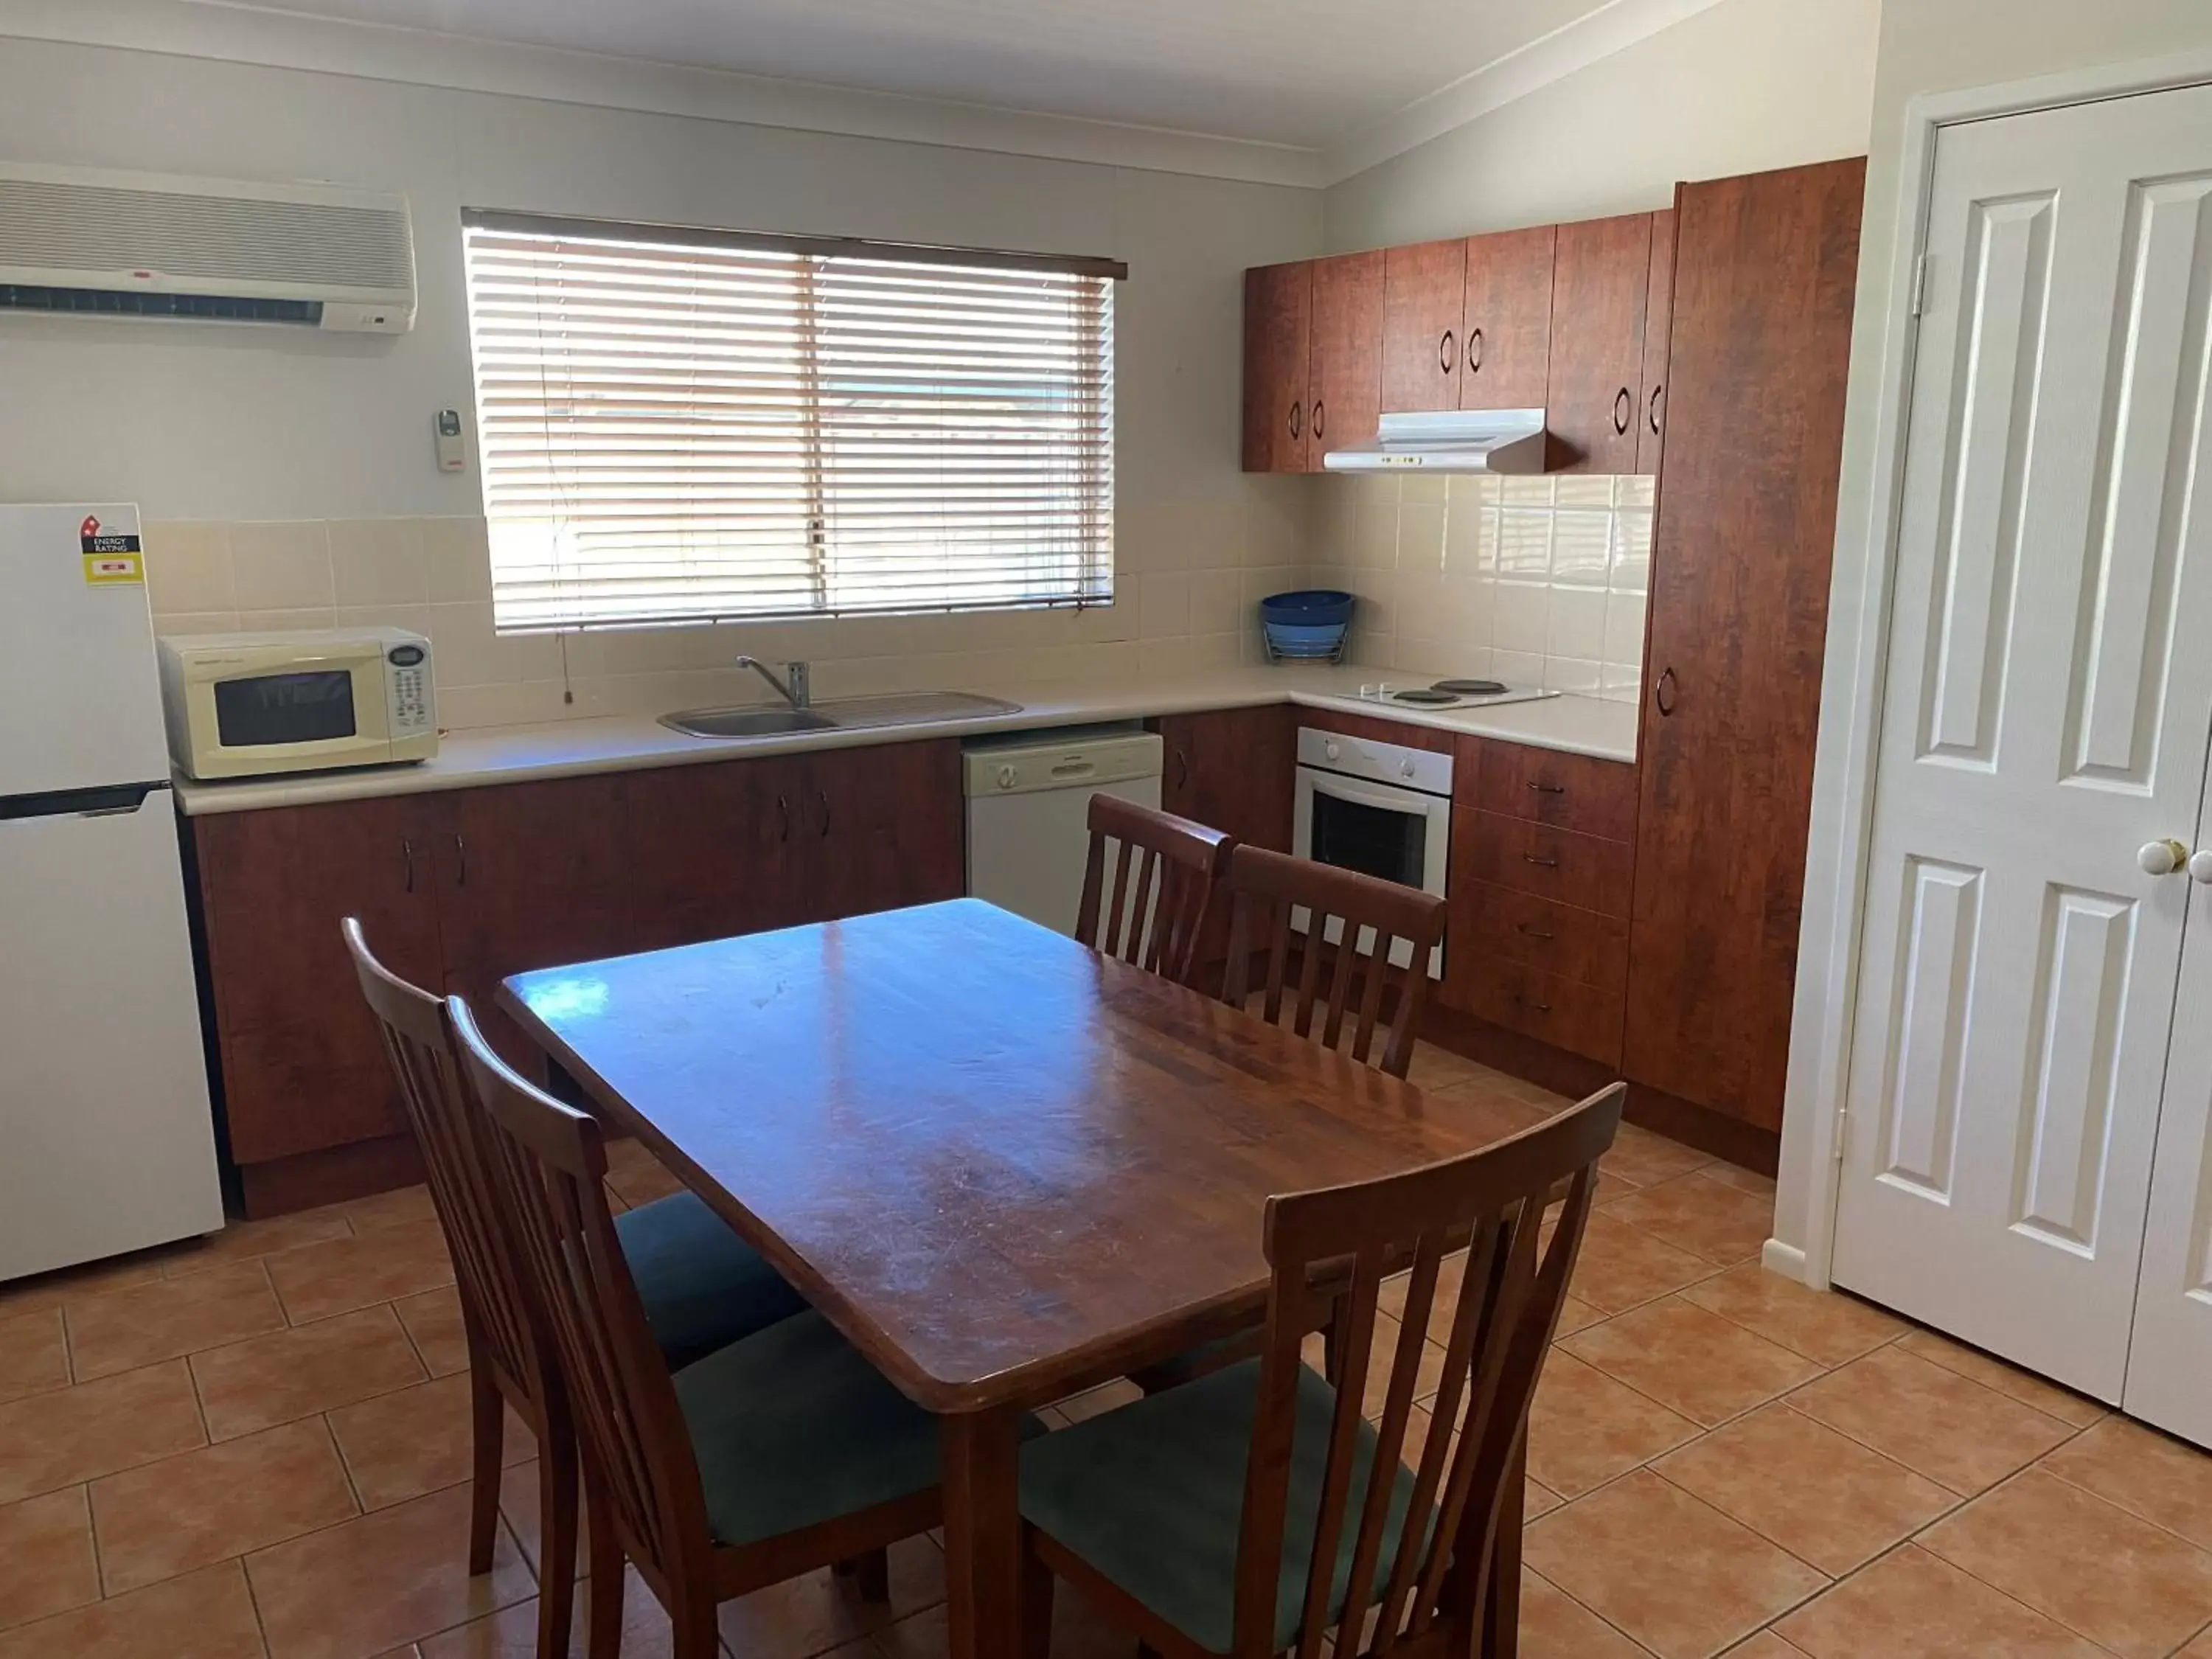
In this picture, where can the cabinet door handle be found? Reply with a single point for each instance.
(1662, 691)
(823, 795)
(1623, 411)
(1537, 933)
(1549, 788)
(1541, 864)
(1533, 1007)
(1656, 392)
(1474, 351)
(1294, 419)
(407, 859)
(1321, 412)
(783, 817)
(460, 862)
(1448, 351)
(1183, 770)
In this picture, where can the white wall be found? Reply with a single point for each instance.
(288, 450)
(1925, 46)
(1743, 86)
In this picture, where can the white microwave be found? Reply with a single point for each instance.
(243, 705)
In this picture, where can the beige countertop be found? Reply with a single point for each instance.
(562, 749)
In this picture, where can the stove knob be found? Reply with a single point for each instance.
(1330, 750)
(1405, 769)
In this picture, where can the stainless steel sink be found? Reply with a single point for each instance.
(746, 722)
(842, 713)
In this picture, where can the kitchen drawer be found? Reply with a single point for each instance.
(1571, 791)
(1584, 871)
(1377, 728)
(1575, 944)
(1581, 1019)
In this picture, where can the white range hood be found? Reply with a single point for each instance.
(1451, 440)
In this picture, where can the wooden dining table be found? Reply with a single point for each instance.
(1004, 1167)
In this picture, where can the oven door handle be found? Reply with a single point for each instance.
(1383, 797)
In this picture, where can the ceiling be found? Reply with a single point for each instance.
(1305, 74)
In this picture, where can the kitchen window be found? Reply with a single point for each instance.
(696, 425)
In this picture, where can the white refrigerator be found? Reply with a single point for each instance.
(106, 1137)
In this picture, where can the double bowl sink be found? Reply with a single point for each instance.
(839, 714)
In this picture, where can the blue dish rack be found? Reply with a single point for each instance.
(1311, 625)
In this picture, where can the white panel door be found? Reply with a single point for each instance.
(2045, 715)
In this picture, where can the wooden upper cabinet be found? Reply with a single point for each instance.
(1658, 328)
(1424, 295)
(1345, 375)
(1277, 334)
(1764, 270)
(1506, 319)
(1600, 269)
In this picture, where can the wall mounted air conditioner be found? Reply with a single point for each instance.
(78, 242)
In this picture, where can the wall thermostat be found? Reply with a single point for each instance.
(453, 447)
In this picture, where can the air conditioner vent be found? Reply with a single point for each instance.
(82, 242)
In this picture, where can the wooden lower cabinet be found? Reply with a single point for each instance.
(460, 888)
(1234, 770)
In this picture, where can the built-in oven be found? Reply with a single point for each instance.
(1379, 808)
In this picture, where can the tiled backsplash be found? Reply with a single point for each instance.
(1188, 580)
(1536, 581)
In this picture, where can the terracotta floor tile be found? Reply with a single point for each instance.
(1910, 1602)
(1736, 1176)
(1673, 1573)
(170, 1317)
(242, 1240)
(183, 1512)
(512, 1632)
(1538, 1499)
(1585, 1428)
(64, 1285)
(1647, 1158)
(1451, 1275)
(434, 1322)
(1554, 1625)
(1691, 1361)
(1715, 1219)
(2200, 1649)
(644, 1184)
(389, 1209)
(1437, 1067)
(1576, 1314)
(319, 1280)
(1382, 1354)
(46, 1564)
(33, 1353)
(1932, 1420)
(2164, 1480)
(382, 1581)
(819, 1611)
(402, 1444)
(2045, 1397)
(518, 1502)
(1825, 1499)
(1623, 1267)
(78, 1434)
(1765, 1645)
(267, 1380)
(2096, 1569)
(205, 1615)
(1824, 1325)
(1104, 1397)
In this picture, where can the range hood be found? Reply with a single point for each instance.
(1451, 440)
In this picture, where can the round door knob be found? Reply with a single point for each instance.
(2200, 866)
(2162, 858)
(1331, 750)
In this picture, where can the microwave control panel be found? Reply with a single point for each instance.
(407, 679)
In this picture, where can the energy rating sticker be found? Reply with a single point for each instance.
(109, 559)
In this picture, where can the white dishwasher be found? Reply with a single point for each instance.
(1029, 799)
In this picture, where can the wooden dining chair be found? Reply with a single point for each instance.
(702, 1285)
(1367, 998)
(1243, 1514)
(778, 1455)
(1164, 874)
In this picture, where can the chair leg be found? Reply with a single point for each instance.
(605, 1595)
(871, 1575)
(692, 1630)
(488, 1419)
(556, 1531)
(1036, 1607)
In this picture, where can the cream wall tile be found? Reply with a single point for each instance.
(287, 619)
(1522, 620)
(1429, 487)
(1517, 668)
(1582, 489)
(1630, 552)
(1581, 545)
(1574, 675)
(1624, 629)
(1216, 533)
(456, 559)
(1218, 596)
(415, 618)
(1374, 537)
(1421, 536)
(1576, 624)
(378, 562)
(188, 568)
(1620, 682)
(281, 565)
(196, 621)
(1524, 543)
(1164, 605)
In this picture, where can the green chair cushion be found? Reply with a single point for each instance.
(1152, 1496)
(792, 1427)
(703, 1287)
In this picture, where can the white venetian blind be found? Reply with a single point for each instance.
(684, 425)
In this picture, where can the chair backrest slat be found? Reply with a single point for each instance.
(550, 1160)
(1503, 1316)
(486, 1277)
(1164, 871)
(1369, 917)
